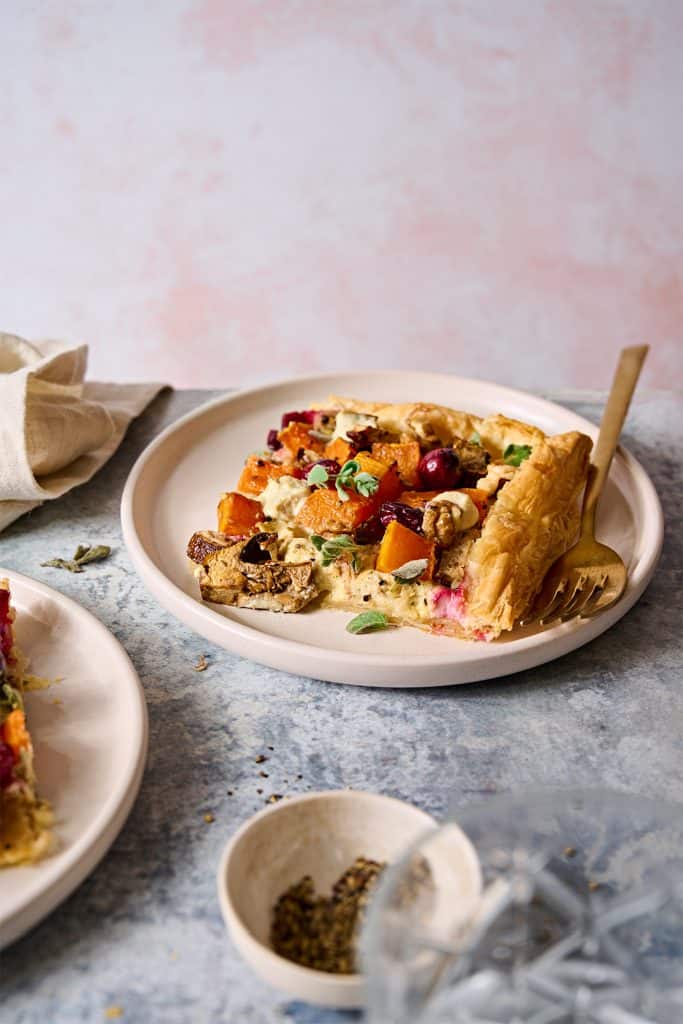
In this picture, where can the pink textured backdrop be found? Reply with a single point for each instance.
(217, 192)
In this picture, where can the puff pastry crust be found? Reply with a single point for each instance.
(534, 519)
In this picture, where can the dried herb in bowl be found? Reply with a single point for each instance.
(320, 931)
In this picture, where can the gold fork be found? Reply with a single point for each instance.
(591, 577)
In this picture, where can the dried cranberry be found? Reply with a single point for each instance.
(307, 416)
(6, 764)
(361, 439)
(6, 639)
(439, 469)
(272, 441)
(406, 515)
(369, 532)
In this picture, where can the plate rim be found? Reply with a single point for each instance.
(88, 849)
(274, 651)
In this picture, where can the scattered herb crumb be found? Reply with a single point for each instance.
(208, 818)
(83, 554)
(264, 775)
(273, 798)
(259, 791)
(299, 776)
(260, 758)
(570, 851)
(515, 454)
(230, 792)
(202, 664)
(593, 886)
(271, 748)
(113, 1012)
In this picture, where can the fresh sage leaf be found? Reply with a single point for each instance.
(349, 469)
(341, 489)
(515, 454)
(346, 475)
(366, 484)
(411, 571)
(476, 438)
(367, 622)
(317, 475)
(330, 550)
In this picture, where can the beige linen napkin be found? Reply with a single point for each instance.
(56, 431)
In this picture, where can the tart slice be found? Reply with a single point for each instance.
(25, 820)
(429, 516)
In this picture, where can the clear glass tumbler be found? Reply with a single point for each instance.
(577, 916)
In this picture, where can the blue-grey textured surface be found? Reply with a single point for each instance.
(144, 932)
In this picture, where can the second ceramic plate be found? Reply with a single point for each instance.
(90, 736)
(174, 487)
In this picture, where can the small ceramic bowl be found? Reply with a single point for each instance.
(319, 834)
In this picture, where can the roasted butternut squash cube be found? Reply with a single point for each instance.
(369, 464)
(296, 436)
(238, 515)
(339, 449)
(325, 512)
(406, 456)
(400, 545)
(257, 472)
(417, 499)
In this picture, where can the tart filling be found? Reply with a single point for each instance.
(435, 518)
(24, 819)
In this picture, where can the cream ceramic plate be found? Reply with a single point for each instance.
(174, 487)
(90, 736)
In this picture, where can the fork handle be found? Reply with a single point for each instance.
(624, 383)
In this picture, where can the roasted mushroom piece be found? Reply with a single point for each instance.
(204, 542)
(249, 575)
(474, 459)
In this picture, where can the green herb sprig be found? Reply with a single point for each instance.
(515, 454)
(331, 549)
(317, 475)
(10, 700)
(411, 571)
(350, 477)
(368, 622)
(83, 555)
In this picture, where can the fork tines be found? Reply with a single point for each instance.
(568, 598)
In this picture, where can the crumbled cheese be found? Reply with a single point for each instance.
(283, 498)
(496, 473)
(352, 421)
(464, 512)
